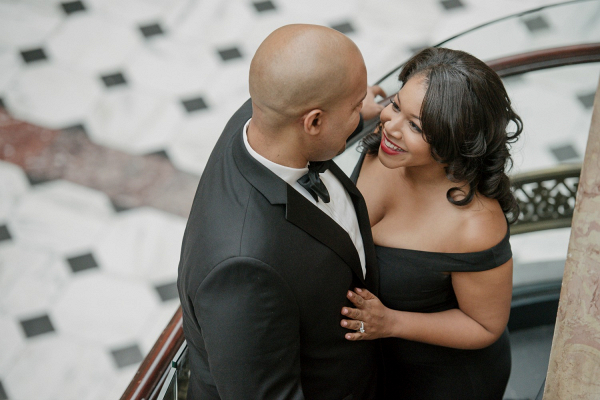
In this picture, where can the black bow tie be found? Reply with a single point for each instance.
(311, 181)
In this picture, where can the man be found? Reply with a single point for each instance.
(269, 251)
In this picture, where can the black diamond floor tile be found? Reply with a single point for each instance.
(160, 153)
(114, 79)
(168, 291)
(587, 100)
(563, 153)
(33, 55)
(37, 326)
(195, 104)
(37, 179)
(536, 24)
(230, 54)
(118, 207)
(4, 233)
(71, 7)
(3, 395)
(77, 128)
(127, 356)
(151, 30)
(451, 4)
(345, 27)
(82, 262)
(262, 6)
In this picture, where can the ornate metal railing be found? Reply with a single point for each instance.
(546, 198)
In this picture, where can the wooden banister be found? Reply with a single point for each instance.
(153, 369)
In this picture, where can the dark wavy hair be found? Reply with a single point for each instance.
(465, 118)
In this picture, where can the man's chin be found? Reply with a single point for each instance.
(341, 150)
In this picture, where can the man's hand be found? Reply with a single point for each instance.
(370, 108)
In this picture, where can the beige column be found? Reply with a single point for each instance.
(574, 369)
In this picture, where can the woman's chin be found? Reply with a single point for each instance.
(388, 161)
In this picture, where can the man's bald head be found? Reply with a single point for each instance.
(301, 67)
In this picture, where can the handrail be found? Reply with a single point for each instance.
(547, 58)
(152, 371)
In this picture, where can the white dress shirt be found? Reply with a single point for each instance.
(340, 207)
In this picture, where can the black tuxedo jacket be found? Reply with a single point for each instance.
(262, 280)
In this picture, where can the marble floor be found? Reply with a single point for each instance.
(108, 112)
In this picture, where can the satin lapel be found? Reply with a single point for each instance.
(372, 278)
(320, 226)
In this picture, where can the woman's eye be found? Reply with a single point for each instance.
(394, 105)
(414, 126)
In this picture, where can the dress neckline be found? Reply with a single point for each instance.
(493, 248)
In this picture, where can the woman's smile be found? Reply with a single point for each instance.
(388, 146)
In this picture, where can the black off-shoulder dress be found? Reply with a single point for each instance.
(418, 281)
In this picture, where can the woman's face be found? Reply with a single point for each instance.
(402, 142)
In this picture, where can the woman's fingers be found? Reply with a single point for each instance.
(364, 293)
(377, 90)
(352, 324)
(355, 336)
(356, 299)
(351, 312)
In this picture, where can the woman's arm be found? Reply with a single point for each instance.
(484, 306)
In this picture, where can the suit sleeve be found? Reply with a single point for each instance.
(250, 324)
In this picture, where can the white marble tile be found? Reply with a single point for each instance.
(89, 375)
(13, 184)
(532, 273)
(11, 343)
(175, 68)
(93, 43)
(549, 119)
(190, 149)
(61, 216)
(16, 259)
(9, 66)
(52, 95)
(541, 246)
(51, 365)
(135, 12)
(104, 309)
(199, 23)
(156, 324)
(118, 386)
(136, 121)
(226, 89)
(143, 243)
(25, 25)
(31, 280)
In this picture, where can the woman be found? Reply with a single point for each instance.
(433, 177)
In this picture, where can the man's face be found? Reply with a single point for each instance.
(342, 118)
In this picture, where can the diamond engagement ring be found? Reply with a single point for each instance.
(362, 327)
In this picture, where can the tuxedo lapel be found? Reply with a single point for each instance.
(320, 226)
(372, 275)
(299, 211)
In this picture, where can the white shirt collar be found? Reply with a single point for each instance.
(288, 174)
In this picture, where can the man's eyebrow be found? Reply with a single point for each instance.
(363, 99)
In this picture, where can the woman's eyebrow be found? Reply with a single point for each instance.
(412, 115)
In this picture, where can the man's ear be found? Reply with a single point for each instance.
(313, 122)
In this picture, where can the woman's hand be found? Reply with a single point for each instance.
(370, 108)
(370, 312)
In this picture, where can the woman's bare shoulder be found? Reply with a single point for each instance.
(482, 226)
